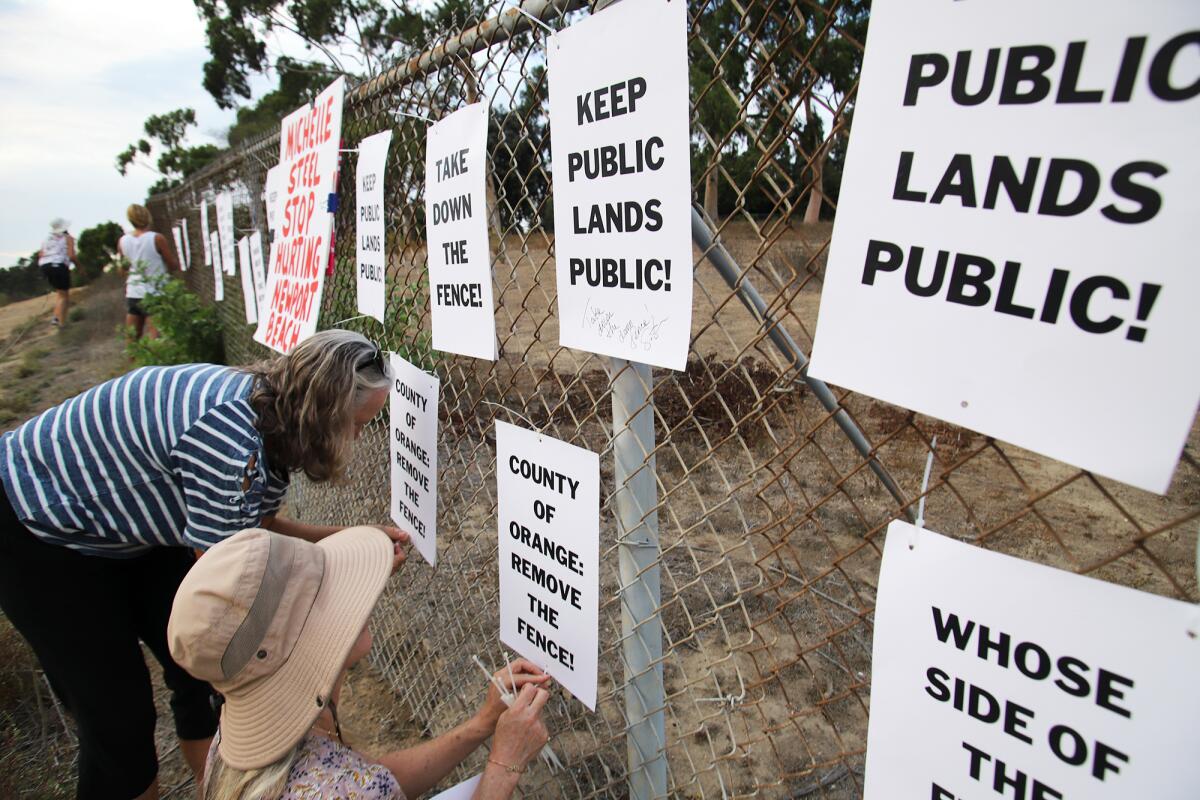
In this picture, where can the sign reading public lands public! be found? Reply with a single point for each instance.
(369, 239)
(994, 677)
(456, 234)
(413, 451)
(548, 514)
(622, 182)
(1016, 235)
(308, 155)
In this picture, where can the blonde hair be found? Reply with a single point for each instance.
(139, 216)
(223, 782)
(305, 401)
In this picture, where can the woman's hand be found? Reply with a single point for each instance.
(400, 540)
(523, 672)
(520, 732)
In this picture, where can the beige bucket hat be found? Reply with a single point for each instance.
(269, 621)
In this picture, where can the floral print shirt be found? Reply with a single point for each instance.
(325, 768)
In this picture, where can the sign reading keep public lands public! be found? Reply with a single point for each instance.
(548, 515)
(993, 677)
(463, 315)
(1015, 242)
(622, 182)
(413, 450)
(308, 155)
(369, 219)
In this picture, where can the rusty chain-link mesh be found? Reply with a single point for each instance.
(770, 518)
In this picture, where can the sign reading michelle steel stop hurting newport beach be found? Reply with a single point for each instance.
(548, 513)
(622, 182)
(1014, 249)
(308, 154)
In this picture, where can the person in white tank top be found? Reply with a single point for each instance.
(150, 257)
(55, 259)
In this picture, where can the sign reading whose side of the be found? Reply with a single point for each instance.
(413, 451)
(622, 182)
(548, 514)
(369, 224)
(1014, 249)
(308, 158)
(460, 275)
(1029, 682)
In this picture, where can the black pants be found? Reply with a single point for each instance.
(83, 615)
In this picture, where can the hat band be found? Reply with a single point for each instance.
(246, 640)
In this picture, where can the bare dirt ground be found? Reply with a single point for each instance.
(40, 366)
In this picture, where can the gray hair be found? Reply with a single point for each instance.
(305, 401)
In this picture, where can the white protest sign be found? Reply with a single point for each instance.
(1028, 682)
(225, 231)
(187, 246)
(205, 233)
(460, 273)
(257, 270)
(218, 277)
(308, 155)
(1014, 249)
(248, 296)
(622, 182)
(548, 514)
(369, 241)
(460, 791)
(271, 196)
(413, 448)
(178, 236)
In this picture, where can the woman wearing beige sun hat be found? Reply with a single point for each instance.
(273, 623)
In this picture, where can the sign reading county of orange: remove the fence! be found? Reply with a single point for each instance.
(308, 155)
(994, 677)
(1015, 242)
(548, 513)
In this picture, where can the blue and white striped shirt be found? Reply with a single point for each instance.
(157, 457)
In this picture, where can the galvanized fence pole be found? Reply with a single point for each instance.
(636, 490)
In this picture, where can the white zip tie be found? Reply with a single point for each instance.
(548, 755)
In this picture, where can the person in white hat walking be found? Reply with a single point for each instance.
(274, 623)
(55, 258)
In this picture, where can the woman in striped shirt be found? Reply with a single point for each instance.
(105, 497)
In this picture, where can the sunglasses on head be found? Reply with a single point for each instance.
(374, 357)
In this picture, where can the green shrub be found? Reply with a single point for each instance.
(76, 314)
(189, 331)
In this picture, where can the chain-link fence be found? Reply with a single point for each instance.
(768, 492)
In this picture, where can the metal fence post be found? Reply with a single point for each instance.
(641, 590)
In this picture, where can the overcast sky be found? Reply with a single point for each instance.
(77, 81)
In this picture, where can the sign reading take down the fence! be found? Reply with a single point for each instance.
(622, 182)
(456, 233)
(413, 450)
(997, 678)
(308, 156)
(548, 514)
(1015, 242)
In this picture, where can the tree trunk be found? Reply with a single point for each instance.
(812, 213)
(710, 191)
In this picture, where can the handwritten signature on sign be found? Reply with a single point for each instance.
(638, 331)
